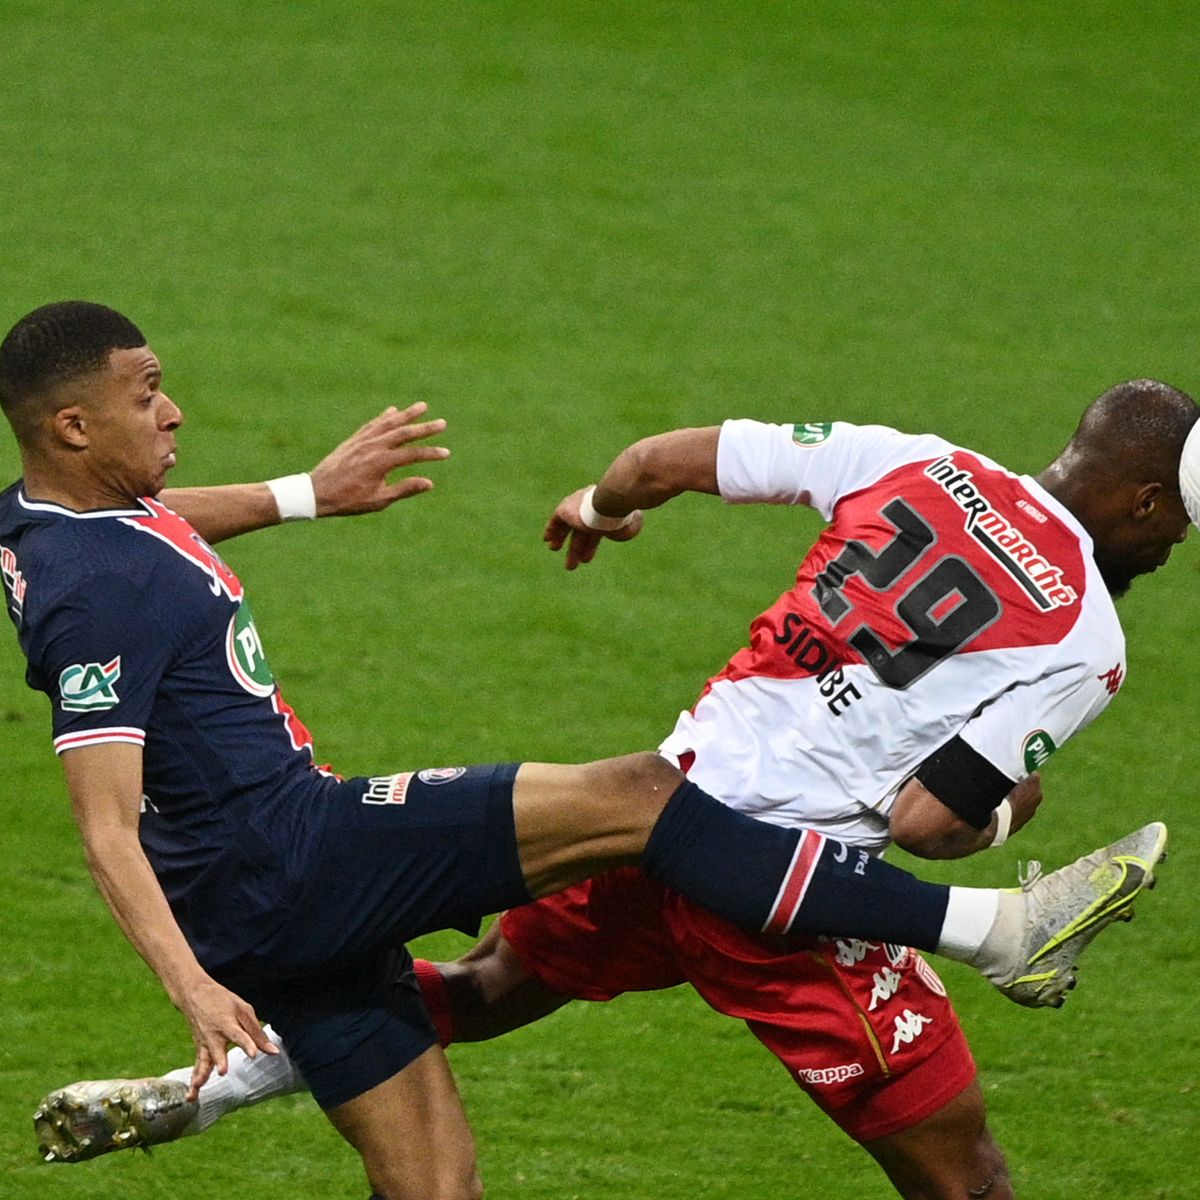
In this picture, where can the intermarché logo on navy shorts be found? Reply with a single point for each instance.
(393, 789)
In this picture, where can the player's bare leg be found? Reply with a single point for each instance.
(951, 1155)
(491, 992)
(412, 1134)
(575, 821)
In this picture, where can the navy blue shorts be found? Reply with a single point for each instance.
(388, 859)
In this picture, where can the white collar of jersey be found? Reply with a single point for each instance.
(46, 506)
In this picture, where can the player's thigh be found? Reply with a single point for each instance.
(950, 1155)
(412, 1133)
(575, 821)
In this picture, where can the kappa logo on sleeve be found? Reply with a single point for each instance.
(811, 433)
(89, 687)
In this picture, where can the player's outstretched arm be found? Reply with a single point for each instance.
(105, 783)
(352, 479)
(644, 475)
(926, 827)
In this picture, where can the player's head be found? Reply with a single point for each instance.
(1120, 474)
(56, 345)
(82, 391)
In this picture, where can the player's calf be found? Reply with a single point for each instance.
(951, 1155)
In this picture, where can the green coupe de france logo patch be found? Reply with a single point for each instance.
(811, 433)
(244, 653)
(1038, 747)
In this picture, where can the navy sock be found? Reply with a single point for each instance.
(787, 881)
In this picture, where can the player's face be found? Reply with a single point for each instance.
(1167, 527)
(1149, 546)
(130, 425)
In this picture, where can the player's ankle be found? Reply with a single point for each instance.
(975, 917)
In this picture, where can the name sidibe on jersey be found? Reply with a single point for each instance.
(814, 657)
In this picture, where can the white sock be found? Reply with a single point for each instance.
(970, 915)
(248, 1081)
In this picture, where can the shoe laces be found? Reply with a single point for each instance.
(1028, 874)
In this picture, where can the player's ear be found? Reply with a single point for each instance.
(1145, 498)
(70, 428)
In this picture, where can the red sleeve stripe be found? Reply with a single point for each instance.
(98, 737)
(795, 883)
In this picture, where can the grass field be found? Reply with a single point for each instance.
(565, 226)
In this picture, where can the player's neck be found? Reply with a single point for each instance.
(73, 490)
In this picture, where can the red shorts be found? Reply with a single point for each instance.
(866, 1029)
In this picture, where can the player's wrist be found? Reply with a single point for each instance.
(1004, 815)
(598, 521)
(295, 497)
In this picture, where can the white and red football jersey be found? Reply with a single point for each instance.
(948, 598)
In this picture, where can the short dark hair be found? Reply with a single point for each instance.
(56, 343)
(1136, 429)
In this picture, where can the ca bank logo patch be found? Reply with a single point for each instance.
(89, 687)
(245, 656)
(1038, 747)
(811, 433)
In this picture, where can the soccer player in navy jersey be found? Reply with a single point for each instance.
(252, 880)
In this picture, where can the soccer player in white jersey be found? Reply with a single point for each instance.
(951, 628)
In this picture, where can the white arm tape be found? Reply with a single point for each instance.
(294, 497)
(598, 521)
(1003, 822)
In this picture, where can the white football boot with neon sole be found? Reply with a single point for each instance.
(1032, 950)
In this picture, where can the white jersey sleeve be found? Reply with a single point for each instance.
(813, 464)
(1021, 728)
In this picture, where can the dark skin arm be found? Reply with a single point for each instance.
(644, 475)
(924, 826)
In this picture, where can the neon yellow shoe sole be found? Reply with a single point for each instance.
(1067, 909)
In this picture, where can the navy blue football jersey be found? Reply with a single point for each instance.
(138, 632)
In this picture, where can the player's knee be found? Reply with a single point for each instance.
(640, 783)
(987, 1176)
(462, 1183)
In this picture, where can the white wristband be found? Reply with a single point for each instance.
(294, 497)
(1003, 822)
(598, 521)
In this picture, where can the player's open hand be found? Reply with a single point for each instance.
(218, 1017)
(566, 527)
(353, 478)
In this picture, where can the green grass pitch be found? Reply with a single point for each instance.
(566, 226)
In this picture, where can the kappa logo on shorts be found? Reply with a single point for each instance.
(909, 1027)
(830, 1074)
(88, 687)
(436, 775)
(851, 951)
(387, 789)
(886, 984)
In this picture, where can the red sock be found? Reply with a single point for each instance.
(437, 999)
